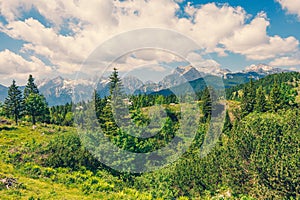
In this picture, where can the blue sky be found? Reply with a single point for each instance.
(54, 38)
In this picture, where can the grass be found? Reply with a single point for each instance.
(13, 138)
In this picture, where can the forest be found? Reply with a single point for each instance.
(49, 152)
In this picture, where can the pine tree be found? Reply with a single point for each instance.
(248, 98)
(115, 83)
(227, 123)
(30, 87)
(119, 109)
(275, 99)
(35, 105)
(260, 103)
(13, 103)
(206, 103)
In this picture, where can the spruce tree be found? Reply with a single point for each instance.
(35, 104)
(248, 98)
(119, 109)
(227, 123)
(30, 87)
(206, 103)
(275, 99)
(260, 103)
(13, 103)
(115, 83)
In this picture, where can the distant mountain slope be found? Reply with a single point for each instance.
(3, 92)
(60, 90)
(230, 80)
(268, 81)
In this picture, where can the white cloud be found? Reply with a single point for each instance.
(206, 65)
(292, 6)
(219, 29)
(252, 41)
(13, 66)
(285, 61)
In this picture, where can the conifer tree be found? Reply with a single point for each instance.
(119, 109)
(206, 103)
(35, 104)
(115, 83)
(248, 98)
(30, 87)
(275, 99)
(13, 103)
(260, 103)
(227, 123)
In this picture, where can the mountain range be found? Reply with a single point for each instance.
(60, 90)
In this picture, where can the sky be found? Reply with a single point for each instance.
(71, 37)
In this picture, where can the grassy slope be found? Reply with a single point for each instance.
(12, 137)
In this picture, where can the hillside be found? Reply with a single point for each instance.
(21, 158)
(255, 157)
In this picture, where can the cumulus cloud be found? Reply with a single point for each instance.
(216, 29)
(13, 66)
(252, 41)
(203, 64)
(285, 61)
(292, 6)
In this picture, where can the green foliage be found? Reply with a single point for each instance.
(13, 102)
(265, 147)
(62, 115)
(207, 103)
(30, 87)
(2, 109)
(115, 83)
(35, 105)
(261, 102)
(67, 151)
(227, 123)
(248, 98)
(256, 157)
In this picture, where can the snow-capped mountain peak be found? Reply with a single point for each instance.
(258, 68)
(264, 69)
(182, 70)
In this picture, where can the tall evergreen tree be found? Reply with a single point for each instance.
(227, 123)
(275, 98)
(35, 105)
(261, 102)
(13, 103)
(119, 109)
(115, 83)
(206, 103)
(248, 98)
(30, 87)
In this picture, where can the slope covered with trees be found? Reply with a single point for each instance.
(256, 157)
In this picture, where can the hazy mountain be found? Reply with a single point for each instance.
(3, 92)
(264, 69)
(131, 83)
(60, 90)
(181, 75)
(222, 77)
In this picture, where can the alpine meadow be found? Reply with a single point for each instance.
(150, 99)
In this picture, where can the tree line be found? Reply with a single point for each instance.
(30, 104)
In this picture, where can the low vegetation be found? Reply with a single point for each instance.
(257, 156)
